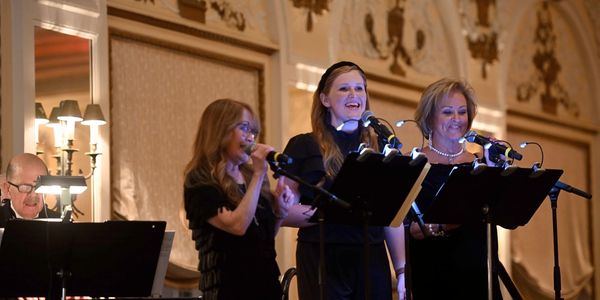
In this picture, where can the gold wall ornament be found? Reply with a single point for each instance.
(395, 42)
(196, 10)
(316, 7)
(547, 69)
(481, 33)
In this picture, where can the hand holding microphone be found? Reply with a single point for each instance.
(271, 156)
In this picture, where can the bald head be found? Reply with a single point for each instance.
(25, 162)
(24, 170)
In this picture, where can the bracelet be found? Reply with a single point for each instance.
(280, 217)
(399, 271)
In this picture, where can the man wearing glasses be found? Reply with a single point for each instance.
(23, 203)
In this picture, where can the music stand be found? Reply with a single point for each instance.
(48, 259)
(494, 196)
(380, 191)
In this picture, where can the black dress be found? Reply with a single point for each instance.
(233, 267)
(451, 266)
(344, 243)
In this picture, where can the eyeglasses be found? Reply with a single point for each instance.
(23, 188)
(246, 128)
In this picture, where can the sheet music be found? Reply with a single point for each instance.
(163, 262)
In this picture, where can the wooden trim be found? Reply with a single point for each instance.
(199, 33)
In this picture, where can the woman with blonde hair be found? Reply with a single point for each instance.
(451, 256)
(232, 212)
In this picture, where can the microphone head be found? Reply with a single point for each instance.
(366, 115)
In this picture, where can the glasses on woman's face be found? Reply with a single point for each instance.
(246, 128)
(23, 188)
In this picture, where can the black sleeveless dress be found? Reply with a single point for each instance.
(451, 266)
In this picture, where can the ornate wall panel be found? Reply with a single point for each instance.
(158, 95)
(549, 69)
(532, 253)
(397, 38)
(398, 35)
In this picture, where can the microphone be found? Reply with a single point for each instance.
(382, 131)
(272, 156)
(494, 148)
(570, 189)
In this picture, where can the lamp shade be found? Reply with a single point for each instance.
(40, 114)
(54, 121)
(47, 184)
(69, 111)
(93, 115)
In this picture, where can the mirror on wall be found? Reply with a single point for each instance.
(63, 72)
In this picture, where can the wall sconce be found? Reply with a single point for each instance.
(65, 186)
(62, 120)
(94, 118)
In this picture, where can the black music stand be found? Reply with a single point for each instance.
(496, 196)
(380, 191)
(54, 259)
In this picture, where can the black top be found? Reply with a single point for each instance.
(7, 213)
(308, 165)
(456, 263)
(229, 263)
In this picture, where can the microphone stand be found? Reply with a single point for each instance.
(553, 194)
(323, 197)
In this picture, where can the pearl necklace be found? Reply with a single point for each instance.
(450, 156)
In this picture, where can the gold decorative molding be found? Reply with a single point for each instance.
(481, 34)
(547, 68)
(196, 32)
(195, 10)
(395, 42)
(316, 7)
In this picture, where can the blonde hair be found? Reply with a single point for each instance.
(437, 91)
(215, 130)
(321, 118)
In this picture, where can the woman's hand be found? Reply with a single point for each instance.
(432, 230)
(285, 199)
(486, 153)
(259, 158)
